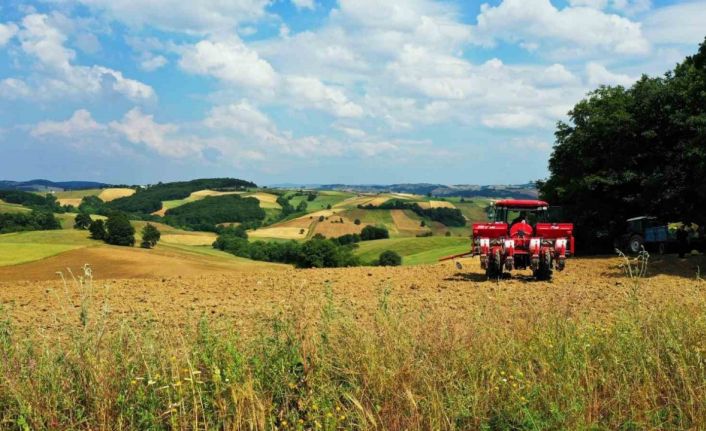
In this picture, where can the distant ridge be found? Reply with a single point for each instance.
(520, 191)
(48, 186)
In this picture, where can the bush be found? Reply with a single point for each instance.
(97, 230)
(356, 222)
(370, 233)
(119, 230)
(36, 220)
(390, 258)
(82, 221)
(150, 236)
(92, 205)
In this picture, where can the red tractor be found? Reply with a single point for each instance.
(528, 241)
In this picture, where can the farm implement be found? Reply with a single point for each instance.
(528, 241)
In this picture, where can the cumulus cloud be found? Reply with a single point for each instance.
(310, 91)
(229, 60)
(538, 21)
(140, 128)
(203, 16)
(514, 120)
(304, 4)
(81, 122)
(679, 23)
(57, 76)
(600, 75)
(7, 32)
(151, 63)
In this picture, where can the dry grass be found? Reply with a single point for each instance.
(398, 349)
(333, 228)
(267, 200)
(281, 232)
(202, 238)
(70, 201)
(111, 194)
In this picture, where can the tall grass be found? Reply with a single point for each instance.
(642, 368)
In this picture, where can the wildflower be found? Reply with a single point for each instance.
(150, 382)
(292, 386)
(342, 417)
(338, 408)
(523, 399)
(133, 382)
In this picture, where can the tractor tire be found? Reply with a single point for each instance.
(544, 272)
(635, 244)
(495, 268)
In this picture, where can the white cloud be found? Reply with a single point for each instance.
(57, 77)
(242, 116)
(152, 63)
(557, 74)
(7, 32)
(514, 120)
(229, 60)
(596, 4)
(304, 4)
(679, 23)
(308, 91)
(140, 128)
(600, 75)
(202, 16)
(11, 88)
(538, 21)
(631, 7)
(81, 122)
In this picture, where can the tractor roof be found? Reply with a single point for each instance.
(521, 203)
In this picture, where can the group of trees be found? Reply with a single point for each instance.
(452, 217)
(206, 213)
(35, 220)
(317, 252)
(117, 230)
(633, 151)
(47, 202)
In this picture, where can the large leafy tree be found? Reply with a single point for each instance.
(119, 230)
(633, 151)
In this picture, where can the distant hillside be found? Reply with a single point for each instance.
(46, 185)
(520, 191)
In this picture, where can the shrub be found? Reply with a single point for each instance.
(370, 233)
(322, 218)
(150, 236)
(390, 258)
(82, 221)
(119, 230)
(356, 222)
(97, 230)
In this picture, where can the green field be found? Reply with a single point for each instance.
(12, 208)
(414, 251)
(322, 201)
(75, 194)
(21, 247)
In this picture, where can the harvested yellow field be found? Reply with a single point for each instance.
(70, 201)
(376, 202)
(404, 222)
(354, 202)
(441, 204)
(280, 232)
(333, 228)
(267, 200)
(108, 195)
(188, 239)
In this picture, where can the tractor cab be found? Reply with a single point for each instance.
(520, 215)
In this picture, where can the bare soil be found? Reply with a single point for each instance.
(173, 290)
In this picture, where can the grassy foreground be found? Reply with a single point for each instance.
(643, 367)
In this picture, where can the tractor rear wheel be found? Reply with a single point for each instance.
(544, 272)
(635, 244)
(495, 268)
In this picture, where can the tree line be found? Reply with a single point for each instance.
(633, 151)
(452, 217)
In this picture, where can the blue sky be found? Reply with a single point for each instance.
(314, 91)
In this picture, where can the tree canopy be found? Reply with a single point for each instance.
(633, 151)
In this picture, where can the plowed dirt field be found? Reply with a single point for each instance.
(176, 291)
